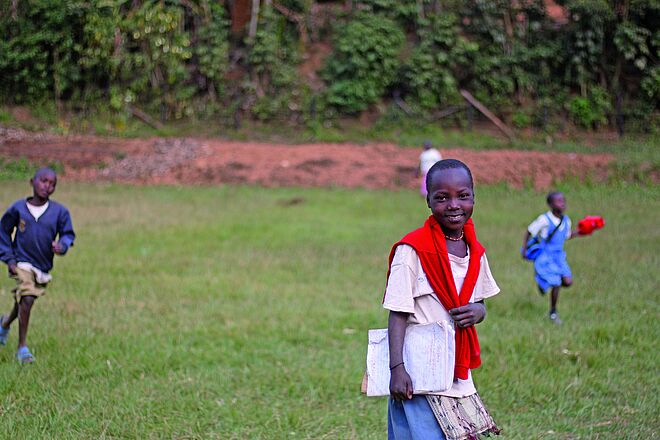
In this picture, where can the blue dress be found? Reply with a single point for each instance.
(551, 265)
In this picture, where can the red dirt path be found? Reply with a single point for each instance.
(213, 161)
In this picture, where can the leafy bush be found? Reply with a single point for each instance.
(590, 111)
(585, 40)
(364, 63)
(273, 59)
(405, 12)
(38, 50)
(521, 119)
(440, 55)
(212, 48)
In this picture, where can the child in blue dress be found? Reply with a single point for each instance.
(32, 231)
(551, 268)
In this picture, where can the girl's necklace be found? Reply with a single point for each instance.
(455, 239)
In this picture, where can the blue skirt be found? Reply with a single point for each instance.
(412, 420)
(550, 267)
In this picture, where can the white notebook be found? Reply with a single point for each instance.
(428, 353)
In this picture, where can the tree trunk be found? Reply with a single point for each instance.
(254, 20)
(508, 27)
(420, 9)
(57, 89)
(240, 15)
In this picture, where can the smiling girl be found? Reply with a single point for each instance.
(440, 272)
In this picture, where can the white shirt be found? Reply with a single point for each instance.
(541, 225)
(40, 276)
(409, 291)
(428, 158)
(37, 211)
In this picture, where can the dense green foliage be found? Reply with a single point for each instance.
(439, 61)
(365, 62)
(232, 324)
(594, 64)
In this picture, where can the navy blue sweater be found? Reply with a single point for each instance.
(33, 240)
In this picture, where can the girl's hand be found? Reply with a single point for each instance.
(468, 314)
(400, 384)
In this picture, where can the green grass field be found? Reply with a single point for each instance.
(233, 313)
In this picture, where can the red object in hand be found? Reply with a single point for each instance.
(590, 223)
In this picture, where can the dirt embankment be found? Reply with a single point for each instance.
(212, 161)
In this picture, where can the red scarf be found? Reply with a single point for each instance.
(429, 243)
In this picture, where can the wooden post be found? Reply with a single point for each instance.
(487, 113)
(142, 116)
(298, 19)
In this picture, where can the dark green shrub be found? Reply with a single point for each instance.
(274, 88)
(364, 63)
(38, 50)
(521, 119)
(441, 53)
(591, 111)
(212, 48)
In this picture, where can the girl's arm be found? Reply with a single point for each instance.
(574, 233)
(527, 237)
(400, 383)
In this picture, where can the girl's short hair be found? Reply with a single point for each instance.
(552, 195)
(446, 164)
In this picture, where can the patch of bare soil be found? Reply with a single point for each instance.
(213, 161)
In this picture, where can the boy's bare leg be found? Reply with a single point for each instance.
(24, 309)
(11, 317)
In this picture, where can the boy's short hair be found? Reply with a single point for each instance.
(446, 164)
(44, 170)
(551, 196)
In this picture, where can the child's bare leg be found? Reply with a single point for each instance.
(554, 297)
(11, 317)
(24, 309)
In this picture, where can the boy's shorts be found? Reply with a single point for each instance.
(26, 285)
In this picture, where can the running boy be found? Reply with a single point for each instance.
(427, 159)
(42, 228)
(439, 272)
(550, 267)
